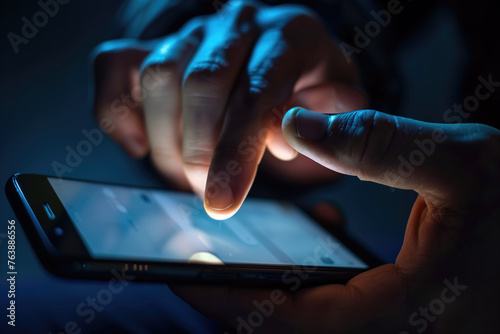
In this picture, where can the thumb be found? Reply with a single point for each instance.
(430, 158)
(333, 97)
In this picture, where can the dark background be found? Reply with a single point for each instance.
(45, 105)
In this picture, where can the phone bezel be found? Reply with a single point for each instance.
(28, 192)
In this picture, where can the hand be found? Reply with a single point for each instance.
(207, 100)
(445, 278)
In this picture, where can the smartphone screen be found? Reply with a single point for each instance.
(127, 223)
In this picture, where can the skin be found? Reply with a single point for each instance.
(208, 100)
(451, 236)
(199, 94)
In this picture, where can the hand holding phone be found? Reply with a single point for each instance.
(87, 229)
(446, 276)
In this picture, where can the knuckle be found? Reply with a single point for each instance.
(164, 65)
(359, 127)
(241, 20)
(159, 73)
(205, 76)
(370, 134)
(216, 66)
(199, 154)
(195, 23)
(379, 134)
(259, 83)
(196, 158)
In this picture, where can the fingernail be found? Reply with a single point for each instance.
(134, 146)
(311, 125)
(219, 196)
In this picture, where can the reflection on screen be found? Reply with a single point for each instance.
(117, 222)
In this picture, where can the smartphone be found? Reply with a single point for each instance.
(86, 229)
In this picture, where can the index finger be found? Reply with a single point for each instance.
(280, 56)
